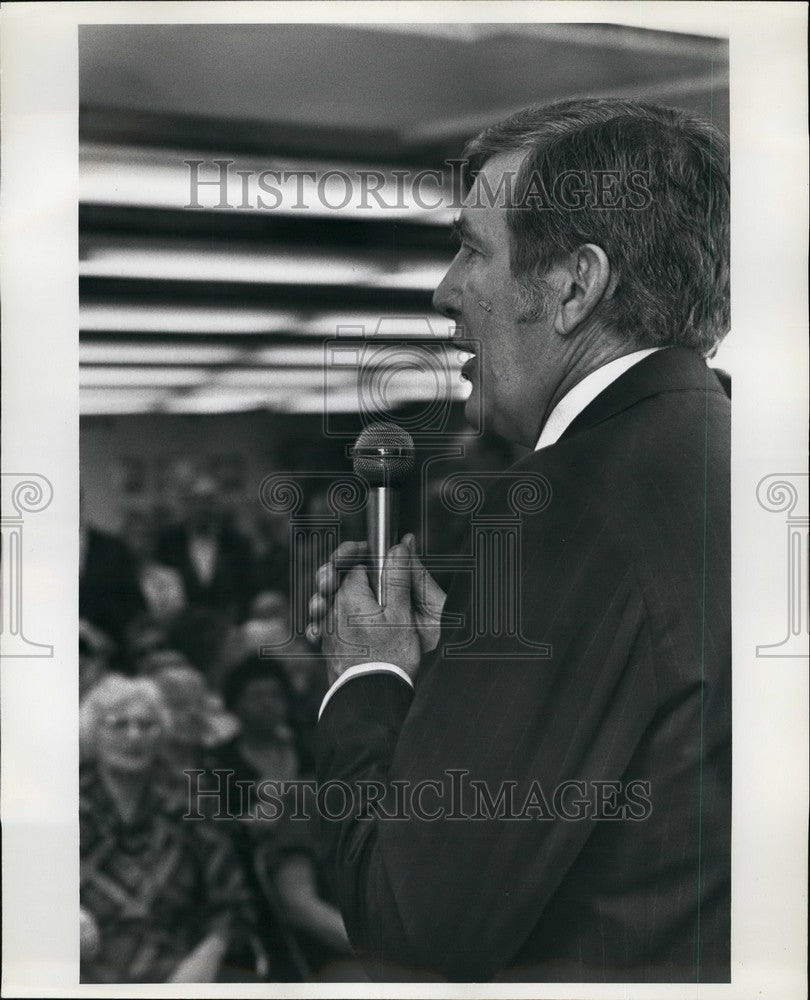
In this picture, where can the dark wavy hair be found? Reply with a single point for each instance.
(669, 254)
(256, 668)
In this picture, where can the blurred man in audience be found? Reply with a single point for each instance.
(161, 586)
(109, 593)
(272, 535)
(215, 562)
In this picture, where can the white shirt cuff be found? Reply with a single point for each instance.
(358, 671)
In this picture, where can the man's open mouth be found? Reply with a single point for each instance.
(468, 361)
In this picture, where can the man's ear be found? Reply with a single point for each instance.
(586, 282)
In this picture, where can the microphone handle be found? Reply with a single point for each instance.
(382, 516)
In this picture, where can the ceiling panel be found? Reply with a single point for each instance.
(232, 305)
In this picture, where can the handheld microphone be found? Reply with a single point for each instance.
(383, 456)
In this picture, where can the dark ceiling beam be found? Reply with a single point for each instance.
(137, 127)
(249, 347)
(301, 298)
(238, 341)
(318, 233)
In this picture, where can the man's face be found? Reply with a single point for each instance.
(203, 505)
(517, 368)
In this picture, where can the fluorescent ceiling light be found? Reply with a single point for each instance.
(155, 260)
(176, 319)
(130, 375)
(112, 401)
(96, 317)
(132, 353)
(276, 379)
(303, 354)
(217, 400)
(189, 265)
(333, 324)
(424, 278)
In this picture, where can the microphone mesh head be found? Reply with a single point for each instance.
(383, 454)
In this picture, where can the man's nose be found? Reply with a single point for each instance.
(447, 297)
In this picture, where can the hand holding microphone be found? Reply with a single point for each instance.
(387, 608)
(426, 596)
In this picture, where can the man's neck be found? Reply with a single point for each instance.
(588, 356)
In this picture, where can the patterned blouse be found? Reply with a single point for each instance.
(156, 885)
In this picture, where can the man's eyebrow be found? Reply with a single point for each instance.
(462, 230)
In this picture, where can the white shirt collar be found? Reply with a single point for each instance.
(583, 393)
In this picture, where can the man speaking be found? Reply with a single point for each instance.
(554, 803)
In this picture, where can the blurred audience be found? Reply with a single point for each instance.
(280, 852)
(109, 593)
(161, 586)
(272, 541)
(269, 628)
(145, 640)
(200, 632)
(190, 608)
(215, 561)
(95, 651)
(198, 719)
(162, 898)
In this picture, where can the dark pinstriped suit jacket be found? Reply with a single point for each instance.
(626, 576)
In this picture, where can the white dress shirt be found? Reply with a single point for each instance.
(560, 418)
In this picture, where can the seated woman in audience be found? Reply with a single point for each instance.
(269, 624)
(198, 719)
(145, 638)
(281, 851)
(161, 897)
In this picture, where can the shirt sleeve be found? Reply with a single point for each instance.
(360, 670)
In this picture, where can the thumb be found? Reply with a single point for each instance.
(397, 578)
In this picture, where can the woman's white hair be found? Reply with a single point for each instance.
(111, 691)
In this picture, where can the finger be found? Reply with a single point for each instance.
(355, 595)
(318, 607)
(428, 595)
(397, 577)
(346, 555)
(355, 583)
